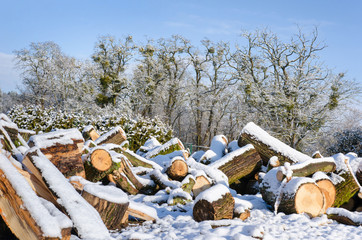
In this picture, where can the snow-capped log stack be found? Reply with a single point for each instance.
(344, 181)
(115, 136)
(173, 145)
(89, 132)
(214, 203)
(178, 169)
(85, 218)
(110, 202)
(217, 149)
(298, 195)
(344, 216)
(27, 215)
(9, 131)
(63, 148)
(309, 167)
(268, 146)
(239, 163)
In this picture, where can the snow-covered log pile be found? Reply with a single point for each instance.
(62, 182)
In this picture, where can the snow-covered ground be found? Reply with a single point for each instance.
(176, 222)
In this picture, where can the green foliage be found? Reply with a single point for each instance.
(137, 130)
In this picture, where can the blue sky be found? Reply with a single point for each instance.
(76, 25)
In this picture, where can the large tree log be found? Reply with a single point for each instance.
(76, 207)
(344, 216)
(134, 158)
(115, 136)
(214, 203)
(298, 195)
(268, 146)
(63, 148)
(121, 181)
(173, 145)
(201, 184)
(178, 169)
(28, 216)
(110, 202)
(344, 181)
(89, 132)
(239, 163)
(309, 167)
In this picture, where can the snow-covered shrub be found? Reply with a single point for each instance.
(138, 129)
(349, 140)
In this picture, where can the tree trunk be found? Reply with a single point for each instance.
(64, 149)
(115, 136)
(268, 146)
(213, 204)
(239, 163)
(112, 213)
(178, 169)
(344, 216)
(121, 181)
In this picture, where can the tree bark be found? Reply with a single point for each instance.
(115, 136)
(239, 163)
(111, 213)
(90, 133)
(221, 208)
(64, 149)
(173, 145)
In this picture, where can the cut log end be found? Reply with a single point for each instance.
(201, 184)
(309, 199)
(101, 160)
(329, 192)
(178, 170)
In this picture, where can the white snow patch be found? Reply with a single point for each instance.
(213, 193)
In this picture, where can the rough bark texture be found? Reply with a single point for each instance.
(345, 189)
(222, 208)
(173, 145)
(265, 151)
(111, 213)
(121, 181)
(115, 136)
(66, 157)
(135, 159)
(248, 163)
(17, 217)
(178, 170)
(188, 185)
(126, 168)
(344, 219)
(308, 198)
(309, 169)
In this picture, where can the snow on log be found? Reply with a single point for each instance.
(344, 216)
(162, 180)
(173, 145)
(110, 202)
(344, 180)
(309, 167)
(27, 215)
(178, 169)
(317, 154)
(134, 158)
(214, 203)
(239, 163)
(327, 187)
(217, 149)
(9, 131)
(89, 132)
(86, 219)
(115, 136)
(268, 146)
(299, 195)
(63, 148)
(142, 211)
(302, 195)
